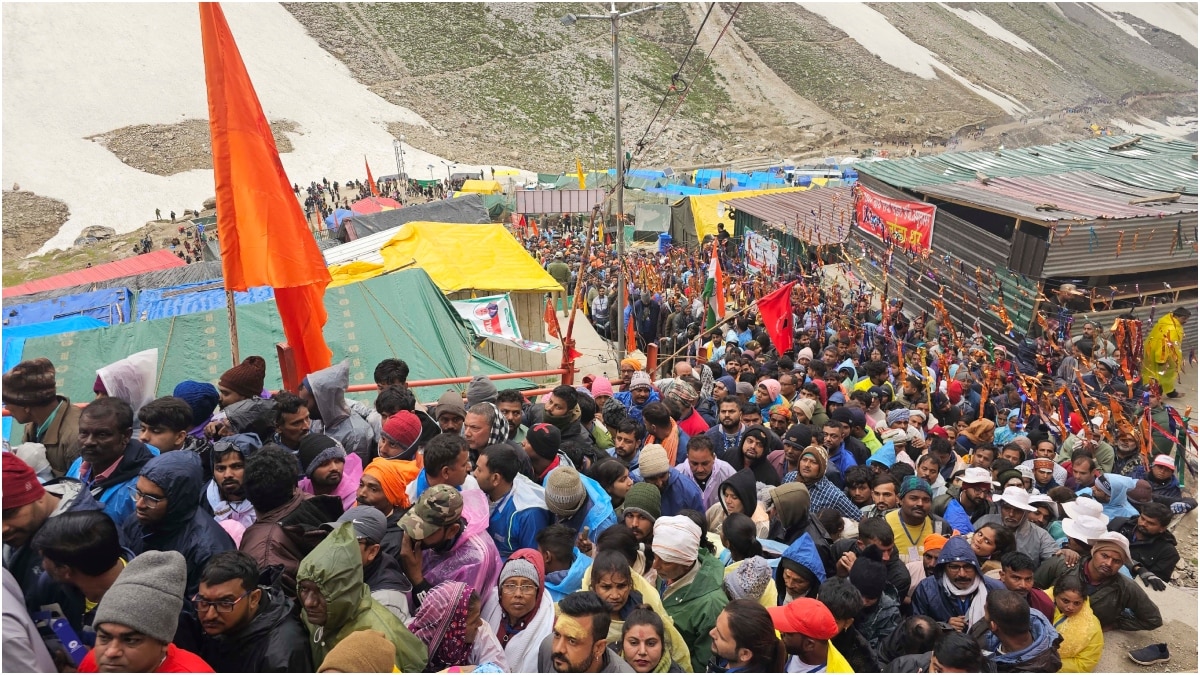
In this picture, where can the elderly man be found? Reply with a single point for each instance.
(1117, 601)
(690, 583)
(638, 395)
(1015, 508)
(678, 493)
(974, 500)
(957, 591)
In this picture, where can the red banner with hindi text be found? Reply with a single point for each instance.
(907, 224)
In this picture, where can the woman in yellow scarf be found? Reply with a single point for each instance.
(1083, 641)
(1162, 352)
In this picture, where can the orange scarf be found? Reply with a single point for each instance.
(670, 443)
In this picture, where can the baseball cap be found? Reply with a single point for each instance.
(369, 523)
(1164, 461)
(806, 616)
(438, 506)
(977, 476)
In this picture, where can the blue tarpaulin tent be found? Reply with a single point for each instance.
(109, 305)
(161, 303)
(14, 342)
(334, 220)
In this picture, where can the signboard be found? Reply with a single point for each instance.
(492, 318)
(907, 224)
(762, 254)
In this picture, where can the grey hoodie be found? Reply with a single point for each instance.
(328, 388)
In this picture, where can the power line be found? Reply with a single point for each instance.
(675, 78)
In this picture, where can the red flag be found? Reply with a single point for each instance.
(551, 318)
(776, 312)
(264, 238)
(370, 179)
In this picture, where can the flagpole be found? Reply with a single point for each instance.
(231, 308)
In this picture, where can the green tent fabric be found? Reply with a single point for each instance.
(549, 178)
(429, 183)
(367, 323)
(497, 205)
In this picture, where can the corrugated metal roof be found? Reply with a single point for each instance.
(139, 264)
(1082, 155)
(363, 249)
(1080, 196)
(818, 216)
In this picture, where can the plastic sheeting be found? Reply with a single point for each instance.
(708, 210)
(109, 306)
(162, 303)
(483, 187)
(466, 209)
(652, 218)
(366, 325)
(14, 338)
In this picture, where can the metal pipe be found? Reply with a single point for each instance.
(354, 388)
(615, 18)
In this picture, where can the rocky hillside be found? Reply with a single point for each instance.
(510, 83)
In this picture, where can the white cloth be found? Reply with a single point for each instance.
(487, 649)
(978, 603)
(521, 652)
(242, 512)
(133, 379)
(676, 539)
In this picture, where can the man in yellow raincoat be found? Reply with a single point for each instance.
(1163, 351)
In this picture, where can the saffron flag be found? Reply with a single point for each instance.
(370, 178)
(264, 238)
(714, 291)
(579, 173)
(776, 312)
(551, 318)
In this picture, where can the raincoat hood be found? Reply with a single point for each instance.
(1118, 502)
(957, 549)
(133, 379)
(328, 388)
(884, 456)
(335, 566)
(181, 477)
(743, 485)
(800, 557)
(848, 364)
(791, 504)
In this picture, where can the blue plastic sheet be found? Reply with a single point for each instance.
(109, 305)
(162, 303)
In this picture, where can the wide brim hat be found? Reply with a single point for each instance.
(1017, 498)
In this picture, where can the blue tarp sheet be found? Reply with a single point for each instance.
(161, 303)
(110, 305)
(331, 222)
(685, 190)
(14, 343)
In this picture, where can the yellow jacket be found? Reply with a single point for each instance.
(1083, 640)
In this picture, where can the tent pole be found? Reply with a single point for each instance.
(233, 335)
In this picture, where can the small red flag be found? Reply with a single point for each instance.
(370, 179)
(776, 312)
(551, 318)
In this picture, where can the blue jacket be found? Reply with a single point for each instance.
(596, 514)
(518, 517)
(885, 456)
(1118, 505)
(571, 580)
(635, 411)
(679, 494)
(186, 527)
(1041, 656)
(116, 491)
(930, 599)
(802, 552)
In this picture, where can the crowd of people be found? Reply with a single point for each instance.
(879, 496)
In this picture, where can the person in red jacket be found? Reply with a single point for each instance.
(137, 619)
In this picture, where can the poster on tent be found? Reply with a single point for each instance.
(762, 254)
(907, 224)
(492, 317)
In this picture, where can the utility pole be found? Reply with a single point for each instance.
(398, 146)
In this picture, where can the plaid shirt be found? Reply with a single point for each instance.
(825, 495)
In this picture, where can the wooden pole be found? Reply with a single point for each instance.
(233, 334)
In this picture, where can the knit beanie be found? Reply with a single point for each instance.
(201, 397)
(404, 428)
(481, 390)
(749, 580)
(911, 483)
(954, 391)
(565, 493)
(362, 651)
(653, 461)
(868, 573)
(645, 499)
(20, 483)
(518, 567)
(806, 406)
(601, 386)
(898, 415)
(98, 387)
(639, 379)
(805, 353)
(247, 377)
(449, 402)
(820, 454)
(30, 383)
(147, 595)
(544, 439)
(316, 449)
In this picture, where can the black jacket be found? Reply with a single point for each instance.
(274, 642)
(1158, 554)
(898, 578)
(858, 653)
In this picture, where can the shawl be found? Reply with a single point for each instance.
(441, 623)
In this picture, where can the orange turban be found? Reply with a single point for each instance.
(393, 475)
(932, 542)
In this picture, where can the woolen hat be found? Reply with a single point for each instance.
(749, 580)
(820, 454)
(645, 499)
(745, 389)
(404, 428)
(798, 435)
(315, 450)
(201, 397)
(911, 483)
(565, 493)
(247, 377)
(601, 386)
(20, 483)
(481, 390)
(147, 596)
(805, 353)
(807, 406)
(362, 651)
(449, 402)
(30, 383)
(639, 379)
(545, 439)
(518, 567)
(653, 461)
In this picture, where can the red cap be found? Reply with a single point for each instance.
(939, 432)
(404, 427)
(805, 616)
(20, 483)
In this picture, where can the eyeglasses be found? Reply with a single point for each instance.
(515, 589)
(222, 606)
(138, 495)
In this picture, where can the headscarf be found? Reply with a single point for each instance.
(677, 539)
(821, 388)
(441, 623)
(980, 432)
(730, 384)
(393, 475)
(773, 389)
(632, 363)
(781, 409)
(534, 558)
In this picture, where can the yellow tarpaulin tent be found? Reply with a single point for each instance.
(483, 187)
(457, 257)
(709, 210)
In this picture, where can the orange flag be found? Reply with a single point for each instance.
(264, 238)
(551, 318)
(370, 179)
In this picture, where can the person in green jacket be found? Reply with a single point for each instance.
(689, 583)
(337, 603)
